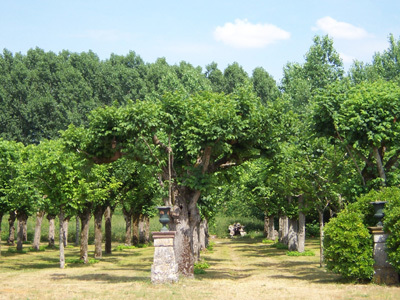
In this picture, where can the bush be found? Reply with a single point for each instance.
(391, 220)
(279, 245)
(348, 246)
(266, 241)
(297, 253)
(199, 267)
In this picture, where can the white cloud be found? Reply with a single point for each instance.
(106, 35)
(243, 34)
(340, 30)
(347, 59)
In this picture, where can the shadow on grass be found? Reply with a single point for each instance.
(36, 264)
(261, 250)
(105, 277)
(247, 240)
(225, 273)
(276, 260)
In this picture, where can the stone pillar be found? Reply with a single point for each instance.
(384, 272)
(165, 267)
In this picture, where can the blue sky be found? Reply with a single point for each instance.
(254, 33)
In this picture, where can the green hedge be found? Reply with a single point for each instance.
(348, 245)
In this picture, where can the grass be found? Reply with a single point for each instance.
(239, 268)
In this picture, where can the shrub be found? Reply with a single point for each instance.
(210, 247)
(79, 261)
(296, 253)
(122, 247)
(14, 250)
(348, 246)
(266, 241)
(391, 220)
(281, 246)
(41, 248)
(199, 267)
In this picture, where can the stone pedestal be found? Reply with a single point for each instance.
(384, 272)
(165, 267)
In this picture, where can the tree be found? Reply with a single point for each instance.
(322, 67)
(138, 194)
(215, 76)
(386, 64)
(41, 93)
(364, 119)
(323, 64)
(9, 158)
(55, 173)
(264, 85)
(201, 133)
(234, 76)
(21, 194)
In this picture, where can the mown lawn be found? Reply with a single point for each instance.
(240, 268)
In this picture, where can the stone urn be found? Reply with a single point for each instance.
(379, 211)
(164, 216)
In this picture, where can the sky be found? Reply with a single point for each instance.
(253, 33)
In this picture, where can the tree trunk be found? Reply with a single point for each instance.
(65, 230)
(271, 229)
(11, 230)
(292, 235)
(141, 229)
(144, 229)
(38, 230)
(301, 234)
(321, 236)
(128, 226)
(98, 235)
(77, 230)
(135, 229)
(196, 242)
(52, 230)
(266, 224)
(1, 219)
(147, 229)
(61, 238)
(203, 240)
(25, 230)
(283, 229)
(22, 218)
(108, 231)
(85, 218)
(184, 232)
(379, 165)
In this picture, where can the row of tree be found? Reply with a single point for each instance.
(43, 92)
(48, 179)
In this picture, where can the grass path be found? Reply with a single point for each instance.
(241, 268)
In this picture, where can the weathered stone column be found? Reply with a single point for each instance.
(384, 272)
(165, 267)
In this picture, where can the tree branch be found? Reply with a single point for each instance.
(393, 160)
